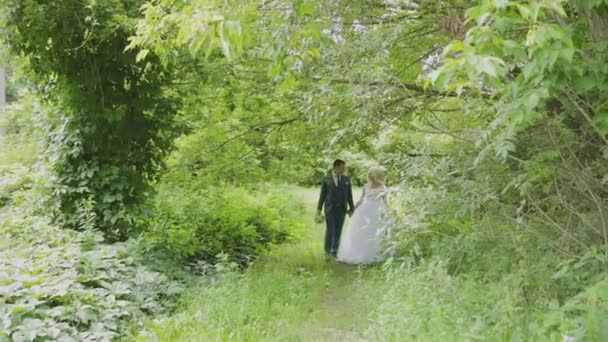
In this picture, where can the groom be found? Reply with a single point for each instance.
(336, 196)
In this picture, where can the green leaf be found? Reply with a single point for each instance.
(601, 117)
(487, 65)
(314, 52)
(501, 4)
(141, 55)
(455, 46)
(288, 83)
(306, 8)
(473, 13)
(524, 11)
(554, 5)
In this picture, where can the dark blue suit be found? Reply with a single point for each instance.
(336, 199)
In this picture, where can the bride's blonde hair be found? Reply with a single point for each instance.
(376, 175)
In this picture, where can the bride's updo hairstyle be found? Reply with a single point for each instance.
(376, 175)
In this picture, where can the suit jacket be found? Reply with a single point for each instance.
(335, 197)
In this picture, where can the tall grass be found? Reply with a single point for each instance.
(294, 294)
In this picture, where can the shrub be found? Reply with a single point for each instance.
(463, 236)
(12, 178)
(58, 284)
(19, 148)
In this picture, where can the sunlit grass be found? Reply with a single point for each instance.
(293, 293)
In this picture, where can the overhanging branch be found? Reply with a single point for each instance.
(394, 84)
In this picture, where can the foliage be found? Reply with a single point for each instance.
(18, 147)
(269, 134)
(293, 294)
(110, 122)
(280, 297)
(218, 25)
(63, 285)
(58, 284)
(497, 145)
(200, 224)
(66, 285)
(267, 303)
(509, 284)
(546, 114)
(428, 303)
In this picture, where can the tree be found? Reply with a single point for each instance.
(111, 118)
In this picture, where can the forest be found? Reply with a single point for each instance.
(160, 163)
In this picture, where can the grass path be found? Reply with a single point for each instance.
(292, 294)
(341, 314)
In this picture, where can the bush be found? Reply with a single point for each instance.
(19, 148)
(240, 223)
(460, 236)
(428, 304)
(58, 284)
(12, 179)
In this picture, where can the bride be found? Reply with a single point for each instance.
(361, 243)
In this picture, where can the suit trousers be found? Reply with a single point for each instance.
(334, 220)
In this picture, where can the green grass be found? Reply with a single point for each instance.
(293, 293)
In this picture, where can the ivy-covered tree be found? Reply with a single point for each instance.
(110, 122)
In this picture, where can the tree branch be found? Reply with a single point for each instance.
(408, 86)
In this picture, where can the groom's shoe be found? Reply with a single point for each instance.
(330, 256)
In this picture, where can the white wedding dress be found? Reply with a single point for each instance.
(362, 241)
